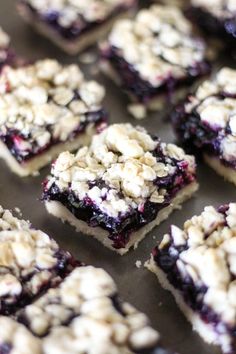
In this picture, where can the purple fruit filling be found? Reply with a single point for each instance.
(15, 140)
(198, 136)
(5, 348)
(121, 228)
(193, 294)
(65, 264)
(224, 29)
(79, 27)
(142, 90)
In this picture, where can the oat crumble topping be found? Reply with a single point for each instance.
(70, 11)
(9, 222)
(159, 44)
(99, 322)
(16, 337)
(206, 248)
(123, 158)
(29, 262)
(45, 103)
(25, 253)
(220, 8)
(60, 305)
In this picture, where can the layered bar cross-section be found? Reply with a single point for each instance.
(206, 122)
(30, 263)
(46, 108)
(154, 57)
(197, 264)
(121, 186)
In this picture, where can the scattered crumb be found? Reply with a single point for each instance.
(160, 304)
(138, 264)
(154, 237)
(137, 110)
(87, 58)
(18, 211)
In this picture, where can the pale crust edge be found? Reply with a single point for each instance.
(58, 210)
(227, 172)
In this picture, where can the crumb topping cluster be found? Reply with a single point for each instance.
(119, 169)
(99, 324)
(9, 222)
(219, 8)
(45, 102)
(60, 305)
(70, 11)
(207, 255)
(158, 43)
(4, 39)
(215, 102)
(26, 258)
(84, 315)
(15, 338)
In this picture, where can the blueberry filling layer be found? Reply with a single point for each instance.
(143, 91)
(222, 28)
(17, 142)
(197, 135)
(79, 26)
(121, 227)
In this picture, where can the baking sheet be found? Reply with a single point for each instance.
(138, 286)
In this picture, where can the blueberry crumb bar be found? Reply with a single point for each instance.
(155, 56)
(46, 108)
(217, 18)
(74, 25)
(30, 263)
(197, 264)
(84, 316)
(121, 186)
(206, 122)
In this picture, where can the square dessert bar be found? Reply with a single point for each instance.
(217, 18)
(121, 186)
(74, 25)
(30, 263)
(46, 108)
(83, 315)
(6, 54)
(155, 56)
(197, 264)
(206, 122)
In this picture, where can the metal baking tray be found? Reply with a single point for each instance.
(138, 286)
